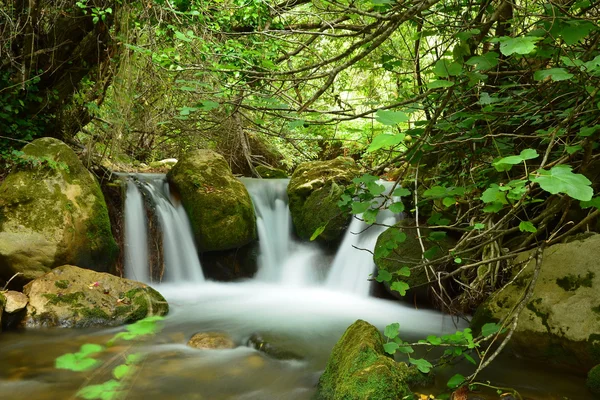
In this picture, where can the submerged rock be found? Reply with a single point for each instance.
(265, 344)
(52, 212)
(218, 205)
(15, 301)
(314, 191)
(75, 297)
(211, 340)
(561, 322)
(358, 368)
(270, 172)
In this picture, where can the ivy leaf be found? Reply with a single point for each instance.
(383, 276)
(401, 192)
(208, 105)
(518, 45)
(493, 194)
(400, 287)
(470, 359)
(390, 118)
(440, 84)
(120, 371)
(360, 207)
(526, 226)
(448, 201)
(437, 236)
(390, 347)
(493, 207)
(456, 381)
(445, 68)
(490, 329)
(422, 365)
(375, 189)
(370, 216)
(90, 348)
(109, 390)
(392, 330)
(404, 271)
(317, 232)
(561, 179)
(595, 202)
(75, 362)
(434, 340)
(556, 74)
(397, 207)
(588, 130)
(484, 62)
(385, 141)
(529, 154)
(574, 31)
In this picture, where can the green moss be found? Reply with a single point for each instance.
(94, 313)
(2, 303)
(596, 309)
(543, 316)
(62, 284)
(482, 316)
(593, 380)
(270, 173)
(593, 347)
(571, 282)
(145, 302)
(71, 299)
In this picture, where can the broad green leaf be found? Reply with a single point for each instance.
(397, 207)
(529, 154)
(90, 348)
(370, 216)
(470, 359)
(318, 232)
(375, 189)
(401, 192)
(360, 207)
(406, 349)
(135, 358)
(456, 381)
(595, 202)
(390, 118)
(440, 84)
(390, 347)
(588, 130)
(458, 260)
(383, 276)
(400, 287)
(445, 68)
(573, 149)
(490, 329)
(561, 179)
(75, 362)
(484, 62)
(479, 226)
(493, 194)
(556, 74)
(404, 271)
(109, 390)
(385, 141)
(392, 330)
(527, 226)
(422, 365)
(208, 105)
(437, 236)
(434, 340)
(120, 371)
(493, 207)
(436, 191)
(448, 201)
(431, 253)
(574, 31)
(518, 45)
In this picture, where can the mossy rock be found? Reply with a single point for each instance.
(211, 340)
(358, 368)
(270, 172)
(272, 346)
(69, 296)
(314, 191)
(218, 205)
(53, 214)
(561, 323)
(593, 380)
(409, 254)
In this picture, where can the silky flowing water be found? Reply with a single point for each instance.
(293, 301)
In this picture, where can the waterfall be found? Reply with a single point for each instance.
(181, 261)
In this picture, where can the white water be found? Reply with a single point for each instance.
(179, 251)
(136, 241)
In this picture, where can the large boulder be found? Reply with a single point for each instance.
(52, 212)
(218, 205)
(391, 255)
(314, 191)
(358, 368)
(69, 296)
(271, 172)
(561, 322)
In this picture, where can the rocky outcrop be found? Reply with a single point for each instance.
(211, 340)
(69, 296)
(561, 322)
(358, 368)
(218, 205)
(270, 172)
(314, 191)
(52, 212)
(392, 255)
(15, 301)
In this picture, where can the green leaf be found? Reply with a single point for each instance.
(397, 207)
(360, 207)
(390, 347)
(392, 330)
(383, 276)
(434, 340)
(526, 226)
(479, 226)
(317, 232)
(456, 381)
(588, 131)
(75, 362)
(448, 201)
(404, 271)
(518, 45)
(493, 194)
(90, 348)
(574, 31)
(595, 202)
(135, 358)
(458, 260)
(484, 62)
(208, 105)
(375, 189)
(121, 370)
(470, 359)
(390, 118)
(556, 74)
(490, 329)
(493, 207)
(561, 179)
(529, 154)
(385, 141)
(109, 390)
(445, 68)
(437, 236)
(400, 287)
(370, 216)
(401, 192)
(422, 365)
(440, 84)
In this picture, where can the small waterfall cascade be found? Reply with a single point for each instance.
(353, 262)
(282, 259)
(181, 261)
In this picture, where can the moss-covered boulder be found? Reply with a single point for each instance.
(391, 255)
(211, 340)
(358, 368)
(270, 172)
(218, 204)
(593, 380)
(69, 296)
(314, 191)
(561, 322)
(52, 212)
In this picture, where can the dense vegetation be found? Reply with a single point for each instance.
(486, 113)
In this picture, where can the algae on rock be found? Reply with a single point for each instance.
(218, 205)
(51, 214)
(561, 322)
(358, 368)
(69, 296)
(314, 191)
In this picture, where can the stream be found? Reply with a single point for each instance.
(298, 300)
